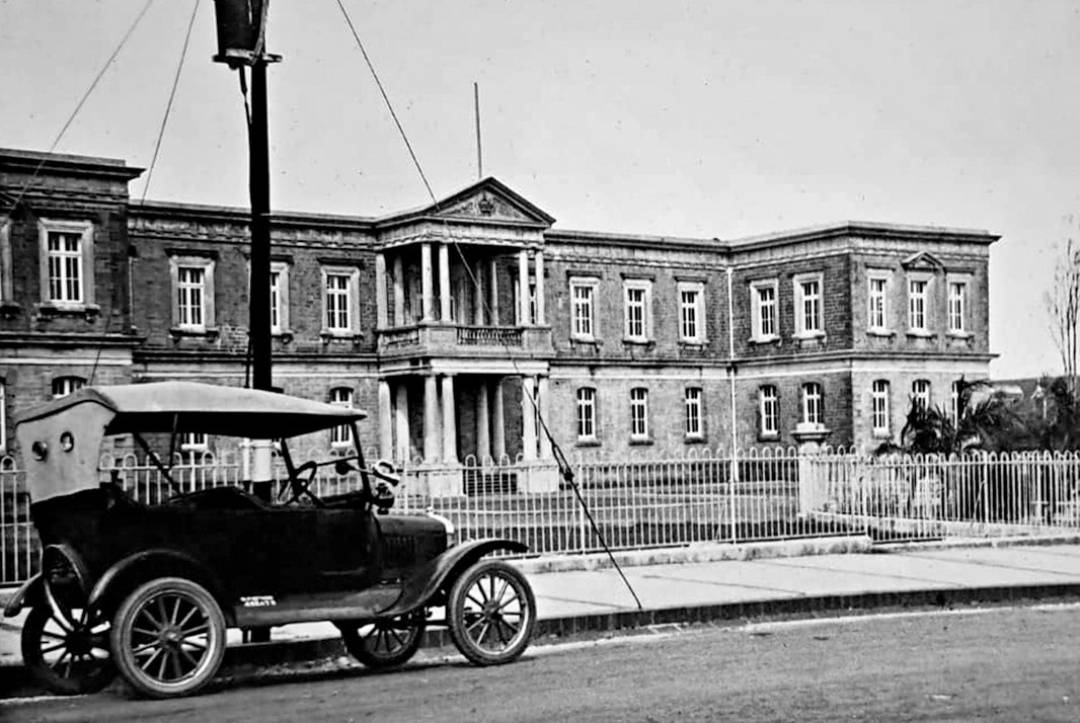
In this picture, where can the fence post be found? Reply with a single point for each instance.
(986, 488)
(733, 477)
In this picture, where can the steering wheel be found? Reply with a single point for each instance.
(299, 486)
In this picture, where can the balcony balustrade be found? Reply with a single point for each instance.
(450, 338)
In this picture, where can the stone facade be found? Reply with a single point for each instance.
(455, 323)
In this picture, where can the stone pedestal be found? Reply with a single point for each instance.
(812, 494)
(534, 478)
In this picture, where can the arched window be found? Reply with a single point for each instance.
(920, 393)
(813, 411)
(586, 414)
(879, 407)
(341, 436)
(769, 407)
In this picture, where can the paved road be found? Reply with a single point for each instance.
(1000, 664)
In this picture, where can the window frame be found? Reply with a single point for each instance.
(85, 258)
(918, 396)
(73, 380)
(644, 286)
(812, 399)
(188, 442)
(279, 304)
(880, 408)
(352, 304)
(757, 318)
(585, 400)
(341, 435)
(769, 419)
(207, 265)
(591, 284)
(924, 297)
(641, 403)
(694, 411)
(802, 330)
(964, 285)
(883, 297)
(697, 309)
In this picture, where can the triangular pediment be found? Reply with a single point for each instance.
(923, 260)
(486, 201)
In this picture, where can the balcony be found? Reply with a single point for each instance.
(457, 340)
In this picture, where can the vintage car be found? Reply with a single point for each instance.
(149, 590)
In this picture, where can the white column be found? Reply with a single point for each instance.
(431, 419)
(542, 392)
(444, 282)
(401, 422)
(399, 291)
(483, 423)
(498, 421)
(528, 419)
(380, 291)
(493, 292)
(426, 283)
(540, 288)
(523, 287)
(449, 420)
(478, 295)
(386, 430)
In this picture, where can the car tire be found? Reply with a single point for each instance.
(491, 613)
(67, 656)
(168, 637)
(387, 642)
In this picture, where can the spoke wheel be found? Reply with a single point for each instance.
(168, 637)
(385, 643)
(67, 651)
(491, 613)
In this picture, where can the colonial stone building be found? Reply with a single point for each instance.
(465, 326)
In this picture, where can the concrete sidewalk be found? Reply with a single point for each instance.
(583, 596)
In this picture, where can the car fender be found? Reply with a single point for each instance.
(423, 583)
(133, 570)
(29, 594)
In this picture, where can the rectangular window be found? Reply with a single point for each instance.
(190, 297)
(582, 309)
(808, 305)
(879, 402)
(957, 307)
(586, 414)
(341, 436)
(63, 386)
(812, 404)
(637, 295)
(639, 413)
(877, 312)
(279, 297)
(3, 416)
(769, 403)
(341, 304)
(193, 442)
(691, 312)
(954, 401)
(275, 301)
(920, 393)
(763, 310)
(65, 267)
(692, 403)
(66, 251)
(917, 304)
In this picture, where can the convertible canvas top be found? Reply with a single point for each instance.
(61, 441)
(197, 407)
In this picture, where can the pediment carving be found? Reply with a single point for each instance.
(485, 204)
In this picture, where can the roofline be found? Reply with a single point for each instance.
(866, 228)
(79, 166)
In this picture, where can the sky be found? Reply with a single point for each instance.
(702, 119)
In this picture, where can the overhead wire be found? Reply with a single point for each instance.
(565, 469)
(82, 101)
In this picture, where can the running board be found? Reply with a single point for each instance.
(263, 610)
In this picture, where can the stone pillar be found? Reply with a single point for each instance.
(380, 292)
(386, 430)
(444, 282)
(426, 285)
(540, 315)
(401, 422)
(449, 420)
(523, 287)
(498, 421)
(399, 291)
(812, 490)
(542, 392)
(478, 295)
(528, 419)
(493, 292)
(431, 419)
(483, 423)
